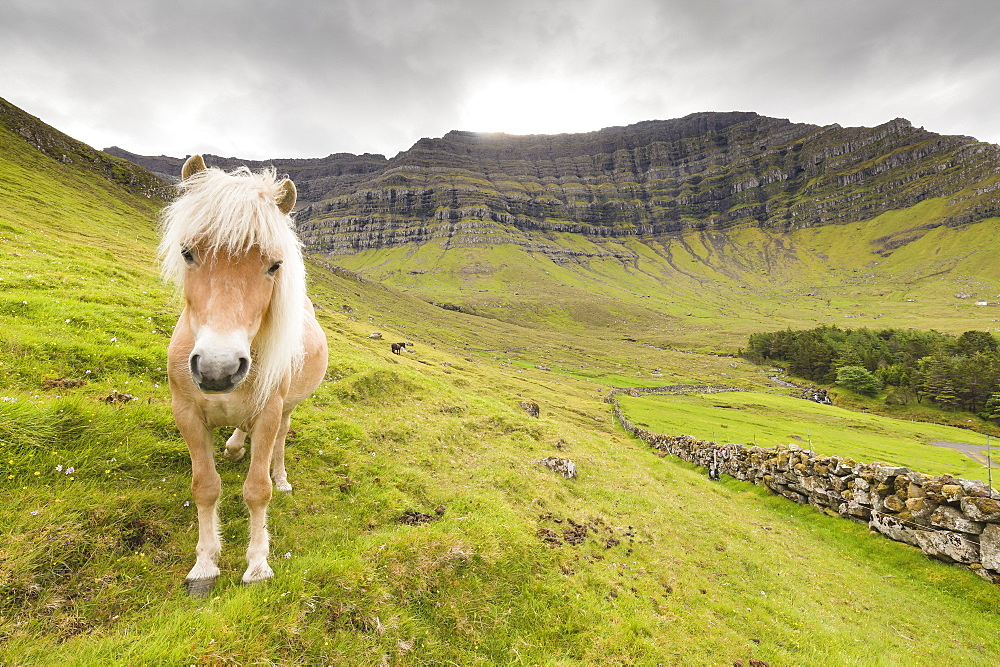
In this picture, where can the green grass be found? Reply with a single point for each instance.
(673, 568)
(712, 288)
(775, 419)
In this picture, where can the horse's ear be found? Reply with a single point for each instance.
(194, 164)
(286, 198)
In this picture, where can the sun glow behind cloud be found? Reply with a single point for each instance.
(539, 107)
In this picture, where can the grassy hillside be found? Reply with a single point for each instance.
(710, 289)
(420, 531)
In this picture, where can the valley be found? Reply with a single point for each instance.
(639, 559)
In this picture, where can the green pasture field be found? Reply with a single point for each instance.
(770, 419)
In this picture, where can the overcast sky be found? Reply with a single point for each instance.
(306, 78)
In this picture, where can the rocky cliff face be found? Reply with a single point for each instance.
(710, 170)
(704, 171)
(315, 178)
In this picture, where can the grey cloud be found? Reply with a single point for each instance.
(306, 78)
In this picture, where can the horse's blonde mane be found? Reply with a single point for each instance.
(231, 213)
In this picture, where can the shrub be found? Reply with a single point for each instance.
(858, 379)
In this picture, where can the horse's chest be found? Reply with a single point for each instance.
(225, 410)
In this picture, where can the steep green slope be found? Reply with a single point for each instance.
(85, 161)
(638, 560)
(75, 247)
(714, 287)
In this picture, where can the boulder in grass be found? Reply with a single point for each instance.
(559, 465)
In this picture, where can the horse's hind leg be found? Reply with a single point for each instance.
(234, 446)
(278, 473)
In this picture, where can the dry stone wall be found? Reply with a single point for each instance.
(950, 519)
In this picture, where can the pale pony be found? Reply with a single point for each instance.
(247, 348)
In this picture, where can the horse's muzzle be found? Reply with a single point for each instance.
(218, 376)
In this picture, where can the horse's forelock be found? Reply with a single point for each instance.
(229, 212)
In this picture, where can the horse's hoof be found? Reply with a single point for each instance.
(235, 455)
(199, 588)
(259, 572)
(283, 486)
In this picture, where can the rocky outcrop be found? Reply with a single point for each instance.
(559, 465)
(950, 519)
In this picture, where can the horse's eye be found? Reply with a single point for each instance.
(274, 268)
(187, 255)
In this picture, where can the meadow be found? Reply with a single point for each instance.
(770, 419)
(421, 529)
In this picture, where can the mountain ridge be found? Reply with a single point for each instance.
(712, 170)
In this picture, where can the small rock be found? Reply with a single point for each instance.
(893, 504)
(952, 492)
(530, 407)
(921, 507)
(559, 465)
(974, 488)
(884, 472)
(375, 336)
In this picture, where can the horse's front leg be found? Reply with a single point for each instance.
(206, 487)
(257, 492)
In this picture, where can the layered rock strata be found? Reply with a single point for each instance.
(705, 171)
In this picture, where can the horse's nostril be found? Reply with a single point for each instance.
(244, 365)
(195, 373)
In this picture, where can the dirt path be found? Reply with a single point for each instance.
(975, 452)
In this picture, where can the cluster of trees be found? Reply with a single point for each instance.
(953, 372)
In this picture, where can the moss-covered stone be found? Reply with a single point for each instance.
(932, 490)
(950, 518)
(981, 509)
(893, 503)
(952, 492)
